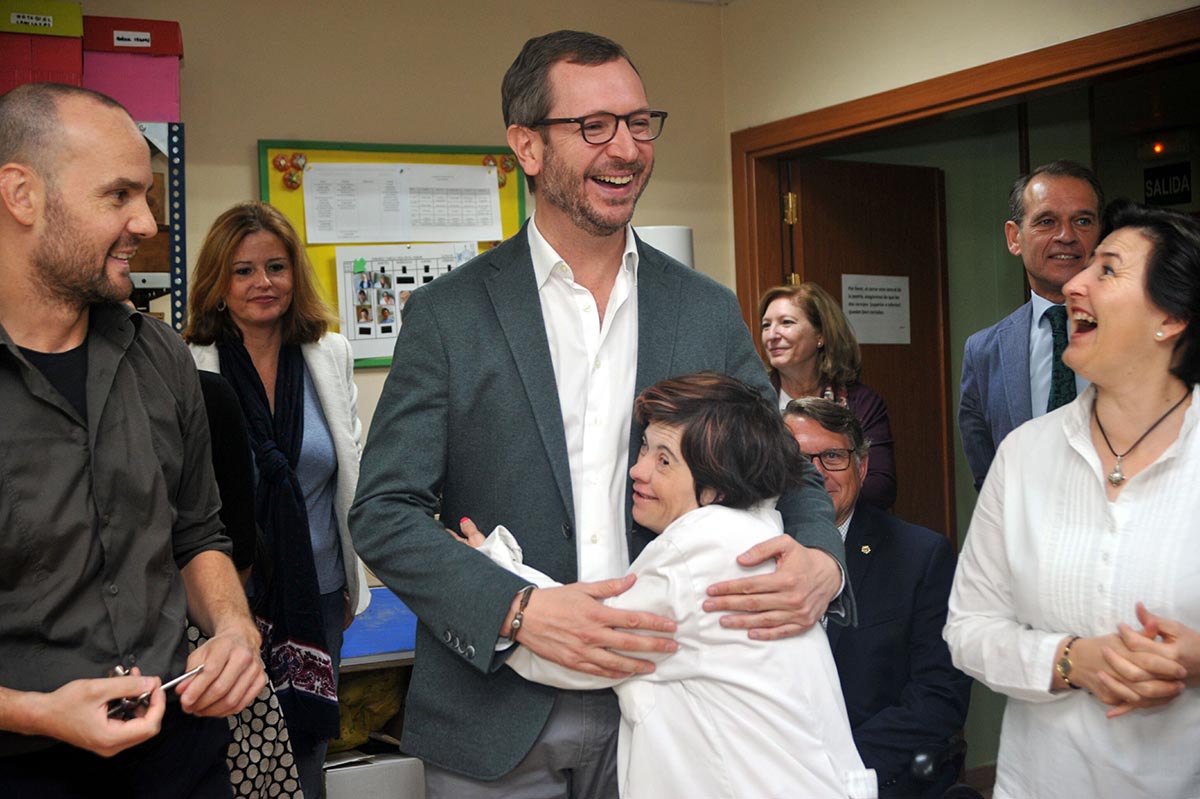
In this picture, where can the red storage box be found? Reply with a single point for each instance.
(26, 58)
(39, 41)
(159, 37)
(136, 62)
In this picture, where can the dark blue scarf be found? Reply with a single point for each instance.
(288, 605)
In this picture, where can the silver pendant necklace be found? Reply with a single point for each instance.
(1117, 476)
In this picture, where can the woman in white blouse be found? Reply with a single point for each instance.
(723, 717)
(1078, 591)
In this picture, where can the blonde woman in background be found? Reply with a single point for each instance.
(812, 352)
(255, 317)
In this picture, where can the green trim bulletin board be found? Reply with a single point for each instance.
(274, 188)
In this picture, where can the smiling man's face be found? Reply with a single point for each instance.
(1058, 233)
(95, 212)
(593, 187)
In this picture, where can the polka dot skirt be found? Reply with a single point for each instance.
(260, 758)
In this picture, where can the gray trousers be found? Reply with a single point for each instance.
(575, 757)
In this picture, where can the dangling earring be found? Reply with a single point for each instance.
(1158, 334)
(220, 306)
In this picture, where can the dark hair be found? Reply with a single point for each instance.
(525, 91)
(1172, 273)
(841, 359)
(30, 126)
(305, 321)
(732, 437)
(835, 418)
(1057, 169)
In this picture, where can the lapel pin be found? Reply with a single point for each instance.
(866, 549)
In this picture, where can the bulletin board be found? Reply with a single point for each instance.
(283, 164)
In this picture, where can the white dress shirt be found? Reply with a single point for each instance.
(844, 527)
(724, 717)
(595, 368)
(1041, 353)
(1048, 556)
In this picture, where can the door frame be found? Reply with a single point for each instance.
(757, 151)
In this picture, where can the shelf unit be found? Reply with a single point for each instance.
(153, 288)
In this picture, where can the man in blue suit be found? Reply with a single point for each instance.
(1013, 370)
(902, 691)
(509, 401)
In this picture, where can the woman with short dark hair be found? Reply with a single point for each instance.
(1078, 591)
(724, 716)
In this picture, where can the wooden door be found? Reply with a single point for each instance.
(874, 219)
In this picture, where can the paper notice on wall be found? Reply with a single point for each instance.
(877, 307)
(366, 203)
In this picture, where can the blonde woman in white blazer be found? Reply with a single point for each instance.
(331, 364)
(256, 318)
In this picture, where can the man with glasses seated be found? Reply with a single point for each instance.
(902, 692)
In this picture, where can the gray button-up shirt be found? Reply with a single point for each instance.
(97, 517)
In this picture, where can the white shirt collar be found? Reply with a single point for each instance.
(1040, 305)
(844, 527)
(545, 258)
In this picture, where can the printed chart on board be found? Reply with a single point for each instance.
(375, 281)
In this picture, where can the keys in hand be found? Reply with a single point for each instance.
(127, 707)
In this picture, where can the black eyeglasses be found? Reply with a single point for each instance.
(602, 128)
(834, 460)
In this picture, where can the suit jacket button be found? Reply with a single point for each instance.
(566, 529)
(470, 652)
(447, 637)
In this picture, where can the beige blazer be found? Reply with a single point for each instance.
(331, 364)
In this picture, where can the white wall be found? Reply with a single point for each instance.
(786, 57)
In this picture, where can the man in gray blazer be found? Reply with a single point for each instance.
(1009, 368)
(509, 401)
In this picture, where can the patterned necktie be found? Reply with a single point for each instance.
(1062, 379)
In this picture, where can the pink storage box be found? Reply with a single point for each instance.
(136, 62)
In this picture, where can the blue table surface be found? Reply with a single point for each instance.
(385, 626)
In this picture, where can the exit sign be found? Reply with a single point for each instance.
(1169, 185)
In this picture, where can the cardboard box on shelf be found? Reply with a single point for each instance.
(40, 41)
(136, 62)
(26, 58)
